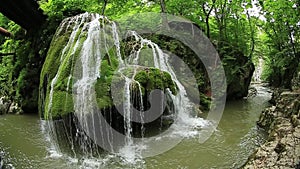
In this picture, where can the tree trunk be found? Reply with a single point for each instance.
(207, 14)
(164, 16)
(163, 6)
(252, 36)
(104, 7)
(4, 32)
(292, 42)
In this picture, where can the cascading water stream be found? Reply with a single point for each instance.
(92, 50)
(182, 104)
(258, 71)
(65, 51)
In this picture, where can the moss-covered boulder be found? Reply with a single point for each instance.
(58, 73)
(239, 70)
(187, 66)
(84, 48)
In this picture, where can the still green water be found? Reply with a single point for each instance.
(23, 144)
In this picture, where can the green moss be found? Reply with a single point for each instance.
(175, 48)
(149, 79)
(62, 104)
(128, 72)
(152, 78)
(102, 88)
(62, 65)
(49, 70)
(103, 85)
(104, 102)
(52, 62)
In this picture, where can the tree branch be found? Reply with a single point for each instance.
(207, 14)
(252, 35)
(4, 32)
(104, 7)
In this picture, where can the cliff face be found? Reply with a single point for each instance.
(282, 122)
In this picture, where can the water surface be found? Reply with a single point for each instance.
(23, 144)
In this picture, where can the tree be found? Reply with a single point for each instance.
(282, 30)
(207, 11)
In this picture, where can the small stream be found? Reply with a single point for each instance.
(23, 144)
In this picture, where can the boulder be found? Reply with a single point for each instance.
(4, 105)
(63, 76)
(239, 70)
(9, 107)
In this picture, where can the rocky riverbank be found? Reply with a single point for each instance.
(282, 124)
(7, 106)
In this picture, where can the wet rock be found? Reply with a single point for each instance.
(279, 148)
(282, 150)
(4, 104)
(1, 162)
(239, 81)
(9, 107)
(252, 92)
(295, 120)
(15, 109)
(267, 117)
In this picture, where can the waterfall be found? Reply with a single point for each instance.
(65, 50)
(91, 52)
(182, 102)
(258, 71)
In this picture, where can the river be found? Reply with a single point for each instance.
(24, 145)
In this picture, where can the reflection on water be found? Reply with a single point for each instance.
(23, 144)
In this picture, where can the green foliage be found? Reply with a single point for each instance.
(3, 23)
(114, 9)
(280, 41)
(19, 72)
(61, 8)
(7, 63)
